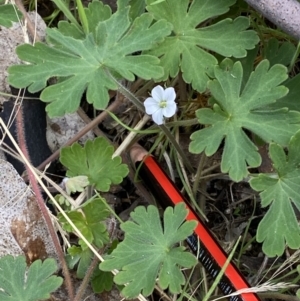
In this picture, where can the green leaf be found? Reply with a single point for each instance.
(81, 257)
(94, 160)
(280, 227)
(137, 7)
(96, 12)
(248, 65)
(32, 284)
(187, 49)
(72, 260)
(62, 201)
(83, 64)
(236, 110)
(9, 14)
(148, 251)
(279, 54)
(102, 281)
(291, 100)
(76, 184)
(90, 221)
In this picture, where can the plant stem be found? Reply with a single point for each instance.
(40, 202)
(177, 147)
(182, 88)
(198, 174)
(30, 26)
(294, 58)
(93, 265)
(267, 295)
(128, 94)
(81, 133)
(275, 295)
(86, 279)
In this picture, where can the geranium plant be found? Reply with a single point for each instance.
(231, 91)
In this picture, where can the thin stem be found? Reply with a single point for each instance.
(183, 171)
(185, 123)
(41, 203)
(81, 133)
(145, 88)
(177, 147)
(218, 278)
(209, 169)
(30, 26)
(267, 295)
(130, 136)
(274, 296)
(87, 120)
(188, 191)
(86, 279)
(198, 174)
(294, 58)
(182, 87)
(128, 94)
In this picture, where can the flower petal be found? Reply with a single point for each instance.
(151, 105)
(170, 109)
(158, 117)
(169, 94)
(158, 93)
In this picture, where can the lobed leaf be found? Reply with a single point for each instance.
(102, 281)
(81, 258)
(76, 184)
(95, 161)
(82, 63)
(32, 284)
(280, 227)
(291, 100)
(148, 250)
(279, 53)
(9, 14)
(90, 221)
(236, 110)
(186, 49)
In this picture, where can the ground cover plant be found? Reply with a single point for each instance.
(216, 72)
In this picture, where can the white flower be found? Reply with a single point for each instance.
(161, 104)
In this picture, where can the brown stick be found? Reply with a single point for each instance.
(30, 25)
(41, 204)
(86, 129)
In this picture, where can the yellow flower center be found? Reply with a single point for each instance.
(163, 104)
